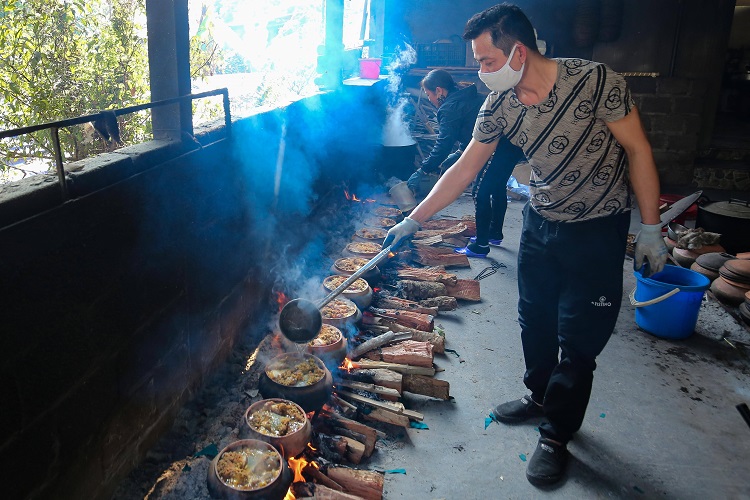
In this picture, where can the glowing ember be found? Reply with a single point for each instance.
(281, 300)
(347, 364)
(376, 289)
(391, 255)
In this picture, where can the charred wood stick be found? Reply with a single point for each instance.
(370, 434)
(364, 483)
(379, 376)
(408, 352)
(385, 302)
(443, 303)
(376, 342)
(311, 471)
(330, 447)
(346, 406)
(427, 386)
(384, 392)
(396, 367)
(419, 290)
(313, 491)
(355, 449)
(418, 321)
(397, 408)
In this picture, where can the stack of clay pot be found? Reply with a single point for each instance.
(733, 283)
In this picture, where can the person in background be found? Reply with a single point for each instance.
(581, 133)
(457, 112)
(491, 199)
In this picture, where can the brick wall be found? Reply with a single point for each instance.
(116, 306)
(671, 110)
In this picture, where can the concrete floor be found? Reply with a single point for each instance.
(661, 421)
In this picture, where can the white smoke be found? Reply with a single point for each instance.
(396, 130)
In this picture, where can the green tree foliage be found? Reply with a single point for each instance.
(65, 58)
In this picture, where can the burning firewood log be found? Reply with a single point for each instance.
(330, 447)
(312, 491)
(408, 352)
(376, 342)
(427, 386)
(337, 448)
(310, 471)
(418, 321)
(418, 290)
(396, 367)
(364, 483)
(431, 256)
(378, 376)
(387, 302)
(436, 274)
(384, 392)
(464, 289)
(339, 423)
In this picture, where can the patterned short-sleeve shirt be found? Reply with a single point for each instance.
(578, 169)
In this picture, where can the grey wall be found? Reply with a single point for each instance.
(684, 41)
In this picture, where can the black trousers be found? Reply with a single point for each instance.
(489, 193)
(570, 287)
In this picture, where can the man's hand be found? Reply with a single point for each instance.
(401, 232)
(650, 245)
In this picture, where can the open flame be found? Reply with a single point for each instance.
(353, 197)
(281, 300)
(391, 255)
(296, 465)
(347, 364)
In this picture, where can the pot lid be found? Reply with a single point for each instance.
(713, 260)
(732, 208)
(739, 267)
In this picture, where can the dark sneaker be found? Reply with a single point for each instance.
(473, 250)
(517, 410)
(547, 465)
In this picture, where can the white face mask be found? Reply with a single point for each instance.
(505, 78)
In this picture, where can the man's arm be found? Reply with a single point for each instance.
(643, 175)
(454, 181)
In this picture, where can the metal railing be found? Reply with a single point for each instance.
(57, 125)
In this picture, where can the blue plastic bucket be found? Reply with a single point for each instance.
(675, 316)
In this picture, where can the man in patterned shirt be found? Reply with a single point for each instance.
(580, 131)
